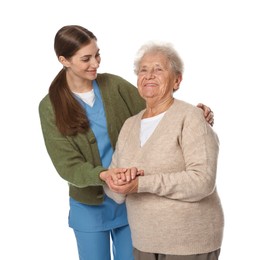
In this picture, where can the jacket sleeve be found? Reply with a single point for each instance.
(76, 159)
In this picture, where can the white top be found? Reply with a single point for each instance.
(148, 125)
(87, 97)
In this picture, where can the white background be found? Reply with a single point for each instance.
(220, 43)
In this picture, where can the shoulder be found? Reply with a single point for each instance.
(186, 109)
(44, 102)
(189, 117)
(183, 105)
(109, 76)
(112, 79)
(114, 87)
(45, 105)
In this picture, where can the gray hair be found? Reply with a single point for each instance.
(166, 49)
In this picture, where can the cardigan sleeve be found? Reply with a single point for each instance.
(117, 197)
(200, 146)
(73, 157)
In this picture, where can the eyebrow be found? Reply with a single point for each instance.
(85, 57)
(89, 55)
(154, 66)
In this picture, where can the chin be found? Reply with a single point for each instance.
(92, 77)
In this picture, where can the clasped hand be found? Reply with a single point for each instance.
(122, 180)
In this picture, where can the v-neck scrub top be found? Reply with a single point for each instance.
(109, 214)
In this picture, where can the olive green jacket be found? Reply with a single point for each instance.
(76, 158)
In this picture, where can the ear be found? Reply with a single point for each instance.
(177, 82)
(64, 61)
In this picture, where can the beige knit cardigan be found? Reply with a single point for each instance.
(177, 209)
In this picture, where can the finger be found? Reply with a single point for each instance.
(210, 117)
(200, 105)
(121, 183)
(140, 172)
(207, 111)
(205, 108)
(211, 114)
(123, 176)
(133, 173)
(115, 177)
(119, 170)
(128, 175)
(210, 120)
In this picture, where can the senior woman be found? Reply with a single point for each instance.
(174, 210)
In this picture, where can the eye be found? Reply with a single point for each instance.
(86, 60)
(158, 69)
(142, 70)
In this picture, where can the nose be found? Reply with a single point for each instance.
(150, 74)
(95, 63)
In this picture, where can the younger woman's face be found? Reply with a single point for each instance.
(85, 62)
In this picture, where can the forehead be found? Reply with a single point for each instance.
(88, 49)
(154, 59)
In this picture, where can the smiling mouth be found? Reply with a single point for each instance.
(150, 85)
(92, 72)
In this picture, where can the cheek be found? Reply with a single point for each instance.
(79, 67)
(139, 86)
(139, 82)
(139, 90)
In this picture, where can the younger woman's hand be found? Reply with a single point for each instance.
(129, 175)
(208, 113)
(114, 174)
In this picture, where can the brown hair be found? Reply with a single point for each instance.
(69, 114)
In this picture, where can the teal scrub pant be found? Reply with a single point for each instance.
(96, 245)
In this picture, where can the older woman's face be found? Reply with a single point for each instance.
(156, 81)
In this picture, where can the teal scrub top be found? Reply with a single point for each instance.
(109, 214)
